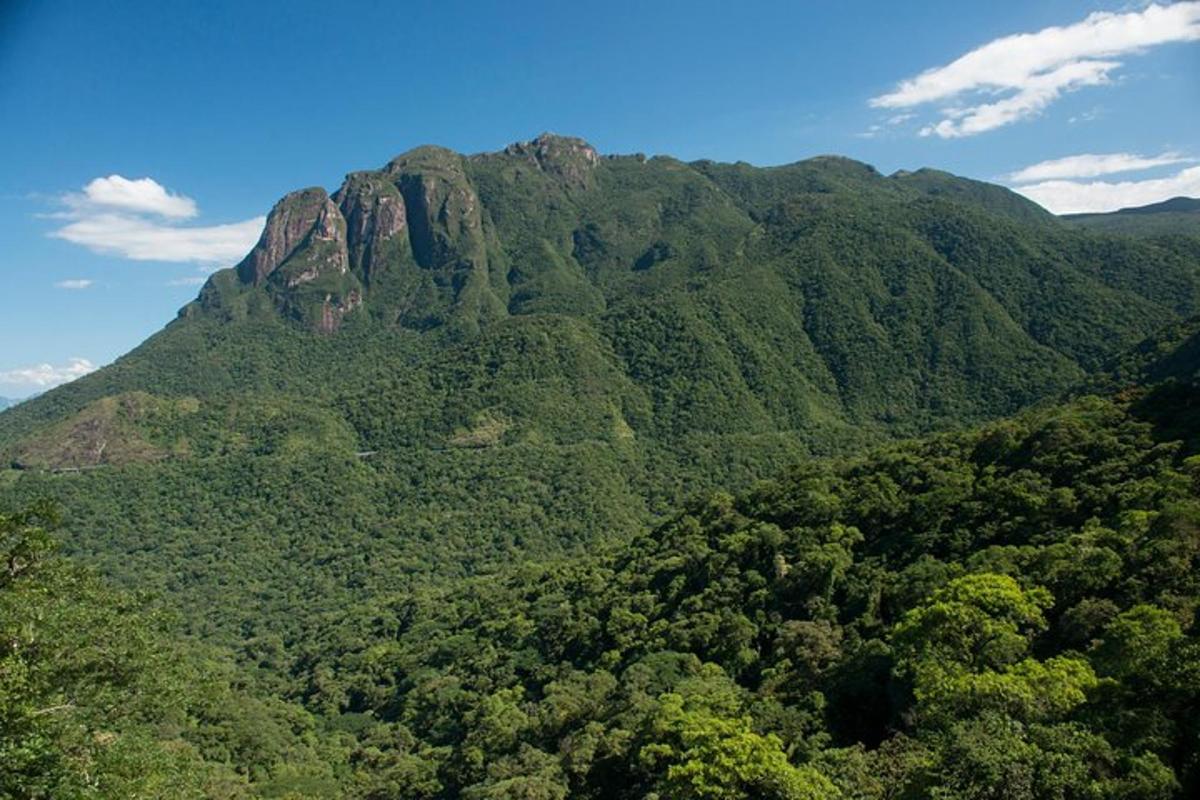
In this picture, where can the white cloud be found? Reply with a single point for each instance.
(140, 196)
(189, 280)
(1090, 165)
(1035, 69)
(1079, 197)
(1091, 115)
(43, 376)
(74, 283)
(143, 239)
(140, 220)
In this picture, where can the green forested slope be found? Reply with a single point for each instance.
(1008, 612)
(100, 699)
(1004, 612)
(458, 362)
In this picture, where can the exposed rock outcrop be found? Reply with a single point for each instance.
(568, 158)
(413, 239)
(300, 218)
(376, 221)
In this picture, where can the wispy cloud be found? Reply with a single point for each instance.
(140, 196)
(1029, 71)
(144, 239)
(188, 280)
(44, 376)
(1090, 165)
(74, 283)
(140, 220)
(199, 276)
(1079, 197)
(1091, 115)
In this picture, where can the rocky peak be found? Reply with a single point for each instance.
(443, 209)
(567, 157)
(375, 216)
(426, 158)
(449, 234)
(296, 219)
(302, 260)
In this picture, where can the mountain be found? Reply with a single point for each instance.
(456, 362)
(1179, 215)
(1003, 611)
(5, 402)
(1180, 205)
(546, 474)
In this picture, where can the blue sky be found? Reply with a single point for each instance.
(143, 141)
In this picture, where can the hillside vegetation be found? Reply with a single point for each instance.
(1004, 612)
(457, 360)
(543, 474)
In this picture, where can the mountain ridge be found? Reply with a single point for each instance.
(428, 199)
(1180, 203)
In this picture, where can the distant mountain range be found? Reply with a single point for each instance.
(1179, 215)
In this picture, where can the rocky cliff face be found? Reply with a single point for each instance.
(414, 242)
(570, 159)
(376, 222)
(413, 237)
(302, 260)
(300, 219)
(450, 236)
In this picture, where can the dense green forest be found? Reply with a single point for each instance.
(1004, 612)
(540, 474)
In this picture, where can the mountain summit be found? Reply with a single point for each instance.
(416, 232)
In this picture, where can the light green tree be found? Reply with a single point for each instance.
(698, 755)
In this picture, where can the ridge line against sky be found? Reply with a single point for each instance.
(135, 183)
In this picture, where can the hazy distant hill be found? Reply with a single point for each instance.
(1179, 215)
